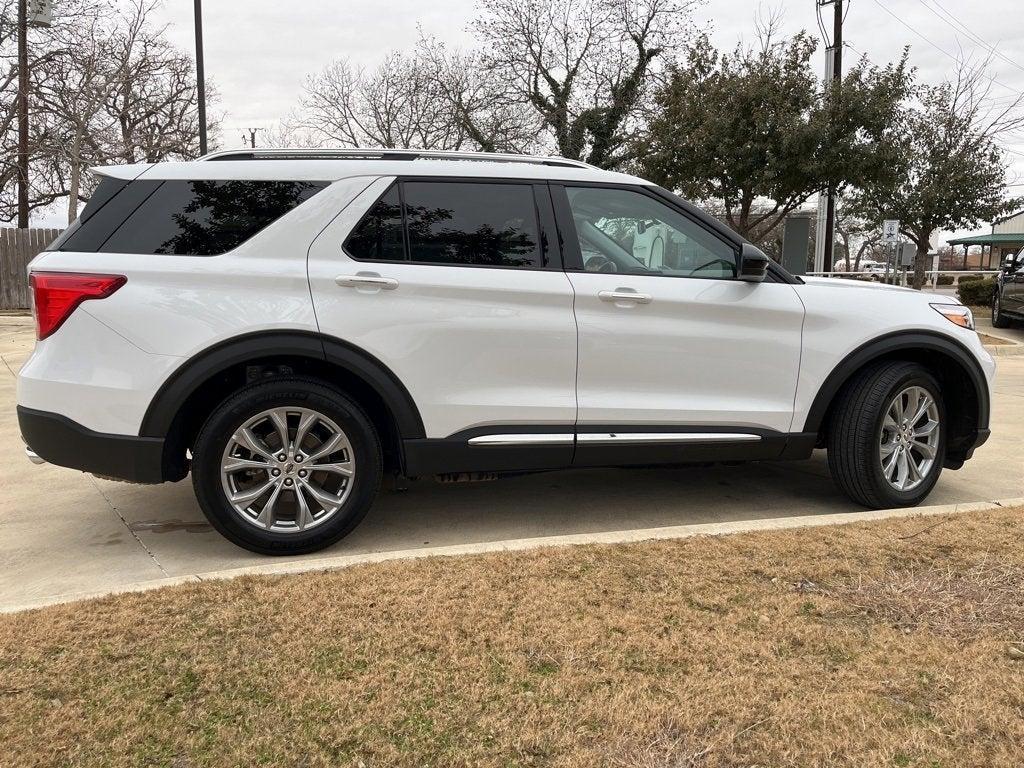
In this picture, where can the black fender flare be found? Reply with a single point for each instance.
(894, 342)
(175, 391)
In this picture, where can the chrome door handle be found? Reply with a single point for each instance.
(366, 281)
(624, 295)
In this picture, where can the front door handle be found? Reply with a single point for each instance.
(622, 295)
(367, 280)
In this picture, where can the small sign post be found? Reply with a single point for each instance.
(890, 236)
(890, 230)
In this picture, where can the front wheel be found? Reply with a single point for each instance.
(998, 318)
(887, 436)
(286, 467)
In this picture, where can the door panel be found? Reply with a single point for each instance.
(700, 352)
(667, 335)
(473, 345)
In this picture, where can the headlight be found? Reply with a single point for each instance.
(956, 314)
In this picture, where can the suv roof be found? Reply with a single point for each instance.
(332, 164)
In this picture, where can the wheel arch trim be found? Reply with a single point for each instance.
(885, 345)
(187, 378)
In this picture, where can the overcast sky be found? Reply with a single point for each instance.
(259, 51)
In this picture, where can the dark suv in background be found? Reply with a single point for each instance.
(1008, 300)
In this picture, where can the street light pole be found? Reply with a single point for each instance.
(837, 78)
(200, 76)
(825, 231)
(22, 114)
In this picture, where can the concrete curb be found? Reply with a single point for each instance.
(280, 568)
(1004, 350)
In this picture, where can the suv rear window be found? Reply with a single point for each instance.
(456, 223)
(187, 218)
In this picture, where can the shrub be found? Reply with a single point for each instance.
(976, 292)
(944, 280)
(969, 278)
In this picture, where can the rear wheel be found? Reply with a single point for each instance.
(286, 467)
(887, 437)
(999, 320)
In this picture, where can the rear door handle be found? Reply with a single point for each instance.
(621, 295)
(367, 280)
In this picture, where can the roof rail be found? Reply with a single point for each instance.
(389, 154)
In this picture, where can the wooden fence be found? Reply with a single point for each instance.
(17, 248)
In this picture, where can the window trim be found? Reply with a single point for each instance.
(573, 255)
(543, 210)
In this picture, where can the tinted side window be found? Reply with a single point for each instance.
(472, 223)
(113, 204)
(624, 231)
(205, 218)
(105, 190)
(378, 237)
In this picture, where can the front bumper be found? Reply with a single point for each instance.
(59, 440)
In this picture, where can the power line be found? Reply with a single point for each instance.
(821, 24)
(959, 26)
(937, 47)
(1003, 144)
(994, 101)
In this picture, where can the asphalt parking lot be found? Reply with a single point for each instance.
(65, 534)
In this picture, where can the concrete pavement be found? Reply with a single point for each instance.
(65, 534)
(1013, 333)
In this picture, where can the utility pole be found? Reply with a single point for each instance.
(22, 114)
(200, 76)
(827, 206)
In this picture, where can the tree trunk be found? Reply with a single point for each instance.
(860, 253)
(920, 263)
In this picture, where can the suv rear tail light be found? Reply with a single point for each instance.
(57, 294)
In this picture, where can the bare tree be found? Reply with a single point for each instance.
(47, 48)
(568, 75)
(480, 104)
(584, 66)
(153, 104)
(107, 88)
(289, 132)
(72, 96)
(396, 105)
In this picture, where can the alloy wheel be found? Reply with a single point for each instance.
(909, 440)
(287, 469)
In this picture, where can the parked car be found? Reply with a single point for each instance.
(1008, 298)
(875, 269)
(288, 326)
(865, 265)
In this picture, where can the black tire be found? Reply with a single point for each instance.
(855, 430)
(299, 392)
(999, 319)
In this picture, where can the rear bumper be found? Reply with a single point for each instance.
(66, 443)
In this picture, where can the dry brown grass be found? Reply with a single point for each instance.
(879, 644)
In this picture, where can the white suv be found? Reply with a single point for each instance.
(290, 325)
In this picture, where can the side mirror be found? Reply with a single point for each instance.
(753, 264)
(1009, 262)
